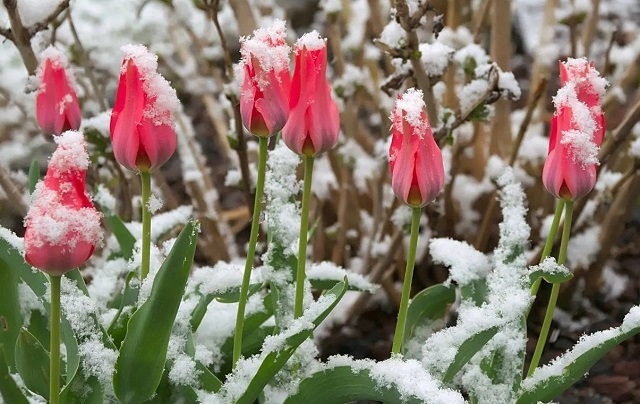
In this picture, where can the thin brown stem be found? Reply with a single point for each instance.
(84, 59)
(11, 189)
(242, 143)
(483, 233)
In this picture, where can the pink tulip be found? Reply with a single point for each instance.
(314, 121)
(57, 107)
(417, 171)
(142, 131)
(62, 225)
(264, 101)
(577, 131)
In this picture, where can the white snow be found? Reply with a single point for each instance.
(161, 97)
(311, 41)
(465, 263)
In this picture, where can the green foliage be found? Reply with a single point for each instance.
(149, 329)
(427, 306)
(32, 363)
(343, 384)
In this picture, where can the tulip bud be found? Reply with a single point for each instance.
(142, 131)
(57, 107)
(417, 170)
(314, 121)
(577, 131)
(264, 101)
(62, 225)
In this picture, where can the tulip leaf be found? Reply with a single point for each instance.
(32, 363)
(10, 317)
(253, 334)
(9, 390)
(231, 295)
(37, 281)
(428, 305)
(467, 350)
(274, 360)
(558, 276)
(566, 370)
(143, 352)
(118, 327)
(82, 390)
(344, 384)
(125, 239)
(34, 175)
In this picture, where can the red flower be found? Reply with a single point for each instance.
(142, 131)
(314, 121)
(577, 131)
(264, 101)
(62, 226)
(57, 107)
(417, 171)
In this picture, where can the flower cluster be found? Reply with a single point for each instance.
(271, 101)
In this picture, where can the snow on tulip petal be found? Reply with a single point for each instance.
(415, 160)
(264, 99)
(57, 107)
(142, 131)
(577, 131)
(62, 225)
(314, 120)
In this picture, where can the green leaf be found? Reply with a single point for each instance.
(34, 175)
(125, 239)
(143, 352)
(481, 113)
(208, 380)
(10, 317)
(9, 390)
(554, 277)
(37, 281)
(253, 334)
(475, 291)
(82, 390)
(428, 305)
(118, 327)
(342, 384)
(275, 360)
(326, 284)
(591, 349)
(32, 363)
(467, 350)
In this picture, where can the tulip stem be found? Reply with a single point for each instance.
(398, 336)
(555, 291)
(145, 178)
(253, 239)
(551, 238)
(304, 227)
(54, 368)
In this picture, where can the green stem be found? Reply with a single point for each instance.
(304, 227)
(54, 368)
(551, 238)
(253, 240)
(145, 178)
(398, 337)
(555, 291)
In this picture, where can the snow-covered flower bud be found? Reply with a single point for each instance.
(57, 107)
(264, 100)
(415, 160)
(62, 225)
(577, 131)
(142, 131)
(314, 120)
